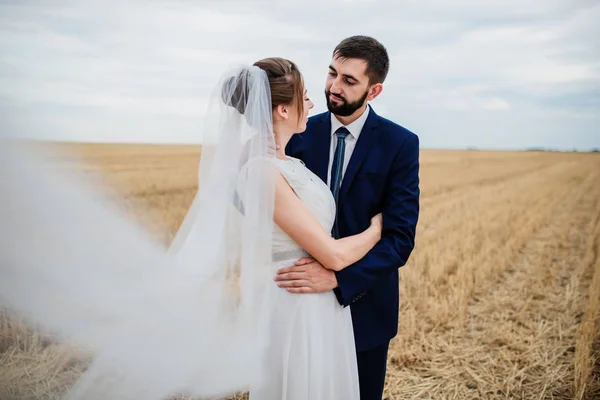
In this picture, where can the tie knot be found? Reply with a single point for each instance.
(342, 132)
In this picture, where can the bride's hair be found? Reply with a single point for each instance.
(285, 83)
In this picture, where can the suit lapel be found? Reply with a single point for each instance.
(363, 145)
(322, 146)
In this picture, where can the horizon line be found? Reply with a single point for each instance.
(430, 148)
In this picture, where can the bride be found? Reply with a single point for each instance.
(204, 318)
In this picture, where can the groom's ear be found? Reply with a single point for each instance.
(374, 91)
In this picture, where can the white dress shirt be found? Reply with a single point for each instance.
(354, 128)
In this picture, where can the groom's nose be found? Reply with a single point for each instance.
(335, 88)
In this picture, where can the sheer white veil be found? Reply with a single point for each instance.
(157, 323)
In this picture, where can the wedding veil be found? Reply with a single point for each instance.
(157, 323)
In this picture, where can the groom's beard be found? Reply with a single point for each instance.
(345, 109)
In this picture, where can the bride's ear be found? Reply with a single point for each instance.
(281, 112)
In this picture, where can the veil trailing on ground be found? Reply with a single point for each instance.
(188, 320)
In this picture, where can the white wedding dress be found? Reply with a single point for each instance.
(204, 319)
(311, 353)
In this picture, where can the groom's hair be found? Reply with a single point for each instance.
(368, 49)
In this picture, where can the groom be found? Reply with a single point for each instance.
(372, 165)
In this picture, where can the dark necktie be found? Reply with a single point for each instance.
(337, 169)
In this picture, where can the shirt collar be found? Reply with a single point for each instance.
(355, 127)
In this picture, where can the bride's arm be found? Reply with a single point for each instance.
(296, 220)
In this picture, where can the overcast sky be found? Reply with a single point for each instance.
(464, 73)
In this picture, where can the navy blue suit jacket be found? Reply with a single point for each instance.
(382, 176)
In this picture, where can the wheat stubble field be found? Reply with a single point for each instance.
(500, 299)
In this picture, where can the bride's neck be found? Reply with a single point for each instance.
(281, 140)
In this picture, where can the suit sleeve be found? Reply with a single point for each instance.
(400, 210)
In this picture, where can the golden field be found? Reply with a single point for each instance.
(500, 298)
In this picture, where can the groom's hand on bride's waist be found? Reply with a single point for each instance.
(306, 276)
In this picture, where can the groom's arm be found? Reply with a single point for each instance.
(400, 215)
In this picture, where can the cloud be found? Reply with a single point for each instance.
(466, 73)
